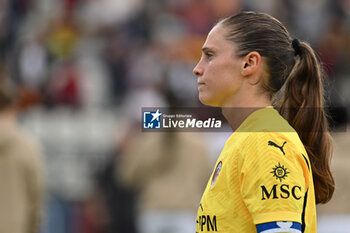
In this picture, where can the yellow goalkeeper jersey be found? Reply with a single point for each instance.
(262, 175)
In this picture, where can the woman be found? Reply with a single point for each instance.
(272, 171)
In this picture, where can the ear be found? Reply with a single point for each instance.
(252, 65)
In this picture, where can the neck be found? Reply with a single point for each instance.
(236, 112)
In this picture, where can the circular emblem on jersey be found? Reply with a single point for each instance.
(280, 172)
(216, 173)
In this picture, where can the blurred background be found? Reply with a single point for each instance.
(82, 70)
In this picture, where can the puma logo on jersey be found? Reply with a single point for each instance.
(271, 143)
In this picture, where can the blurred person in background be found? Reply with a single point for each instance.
(116, 200)
(168, 172)
(21, 172)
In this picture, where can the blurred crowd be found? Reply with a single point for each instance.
(82, 70)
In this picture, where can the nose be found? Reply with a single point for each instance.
(198, 70)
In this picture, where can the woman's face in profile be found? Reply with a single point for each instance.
(218, 71)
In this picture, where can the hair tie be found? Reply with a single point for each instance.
(296, 47)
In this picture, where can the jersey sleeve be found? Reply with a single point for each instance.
(274, 177)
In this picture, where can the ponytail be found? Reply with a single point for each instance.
(303, 107)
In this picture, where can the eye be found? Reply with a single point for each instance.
(208, 55)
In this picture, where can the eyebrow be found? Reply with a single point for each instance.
(205, 49)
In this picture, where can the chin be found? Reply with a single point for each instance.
(207, 101)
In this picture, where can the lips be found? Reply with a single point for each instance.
(201, 84)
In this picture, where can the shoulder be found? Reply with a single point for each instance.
(17, 139)
(267, 141)
(24, 150)
(274, 149)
